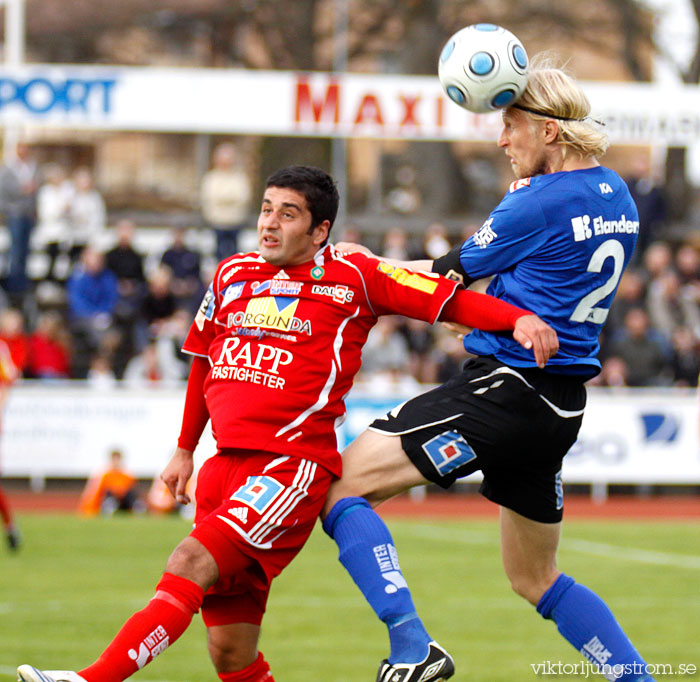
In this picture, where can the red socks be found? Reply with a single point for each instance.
(5, 510)
(257, 671)
(150, 631)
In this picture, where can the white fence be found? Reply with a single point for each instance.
(66, 430)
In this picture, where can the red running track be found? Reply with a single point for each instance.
(446, 506)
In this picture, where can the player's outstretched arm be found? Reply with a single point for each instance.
(178, 473)
(533, 333)
(481, 311)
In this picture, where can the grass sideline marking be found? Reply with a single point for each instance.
(635, 554)
(643, 556)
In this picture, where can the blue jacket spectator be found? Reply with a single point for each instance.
(92, 289)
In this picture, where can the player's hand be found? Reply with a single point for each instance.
(350, 247)
(178, 473)
(534, 334)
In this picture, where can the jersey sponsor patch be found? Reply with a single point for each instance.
(232, 292)
(519, 184)
(258, 492)
(251, 361)
(448, 451)
(408, 279)
(340, 293)
(271, 312)
(277, 287)
(206, 309)
(584, 228)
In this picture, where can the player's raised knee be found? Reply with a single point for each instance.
(190, 559)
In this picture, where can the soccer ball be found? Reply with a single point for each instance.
(483, 68)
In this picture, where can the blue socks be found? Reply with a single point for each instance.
(584, 620)
(366, 550)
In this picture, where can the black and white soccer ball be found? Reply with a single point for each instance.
(483, 67)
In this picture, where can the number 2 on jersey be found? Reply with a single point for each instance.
(586, 310)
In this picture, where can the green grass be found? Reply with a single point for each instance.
(76, 580)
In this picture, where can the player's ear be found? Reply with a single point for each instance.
(550, 131)
(321, 231)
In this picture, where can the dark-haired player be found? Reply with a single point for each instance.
(276, 344)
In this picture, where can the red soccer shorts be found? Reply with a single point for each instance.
(261, 505)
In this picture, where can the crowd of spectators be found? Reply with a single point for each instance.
(96, 307)
(104, 311)
(115, 320)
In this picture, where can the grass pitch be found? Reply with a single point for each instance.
(76, 580)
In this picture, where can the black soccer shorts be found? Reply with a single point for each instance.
(513, 424)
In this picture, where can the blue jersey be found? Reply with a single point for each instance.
(557, 245)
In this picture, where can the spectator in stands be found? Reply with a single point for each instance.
(447, 355)
(687, 262)
(686, 358)
(405, 196)
(154, 365)
(396, 245)
(92, 288)
(172, 333)
(651, 204)
(53, 227)
(100, 375)
(157, 306)
(92, 299)
(657, 259)
(19, 184)
(114, 489)
(613, 373)
(386, 348)
(184, 263)
(125, 261)
(630, 294)
(49, 348)
(88, 214)
(644, 354)
(420, 338)
(13, 333)
(435, 242)
(159, 303)
(225, 197)
(127, 264)
(671, 306)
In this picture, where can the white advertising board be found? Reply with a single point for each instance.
(628, 436)
(68, 431)
(318, 104)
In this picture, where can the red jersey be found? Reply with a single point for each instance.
(284, 344)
